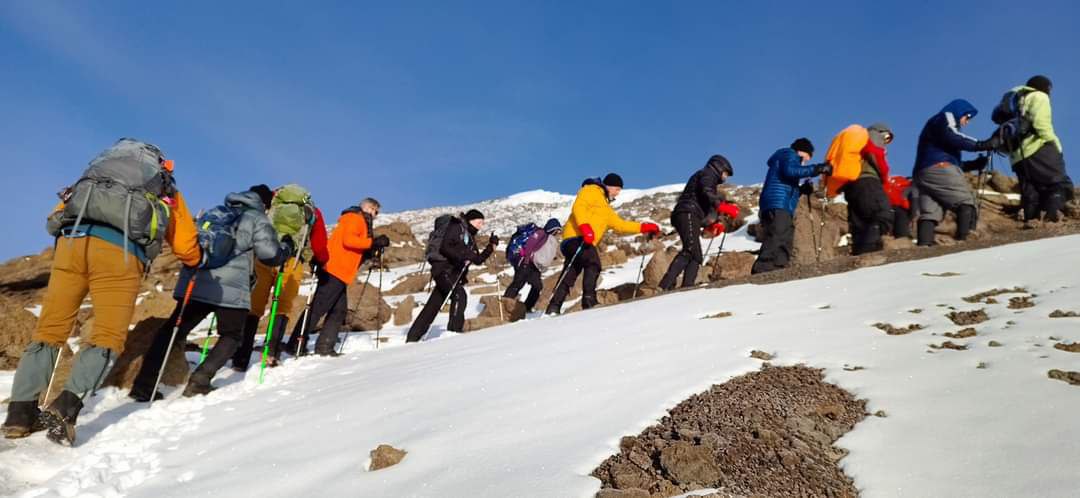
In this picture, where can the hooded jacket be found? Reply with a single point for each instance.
(700, 197)
(591, 207)
(781, 190)
(1036, 108)
(347, 244)
(941, 140)
(459, 245)
(229, 286)
(874, 163)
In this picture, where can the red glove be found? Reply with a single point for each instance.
(587, 233)
(650, 229)
(728, 209)
(715, 229)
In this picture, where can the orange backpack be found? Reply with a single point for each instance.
(845, 156)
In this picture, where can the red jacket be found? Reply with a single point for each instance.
(895, 188)
(876, 157)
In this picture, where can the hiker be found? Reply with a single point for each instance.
(699, 205)
(451, 249)
(778, 200)
(293, 214)
(222, 287)
(903, 198)
(939, 172)
(530, 250)
(108, 226)
(351, 241)
(869, 213)
(590, 217)
(1036, 153)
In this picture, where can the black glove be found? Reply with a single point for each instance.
(807, 188)
(993, 143)
(493, 240)
(288, 246)
(976, 164)
(379, 243)
(823, 169)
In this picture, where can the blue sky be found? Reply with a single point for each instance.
(434, 103)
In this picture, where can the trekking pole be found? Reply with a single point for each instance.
(56, 365)
(813, 232)
(206, 342)
(567, 267)
(719, 252)
(821, 229)
(456, 282)
(378, 328)
(341, 347)
(273, 318)
(172, 338)
(498, 297)
(304, 319)
(641, 269)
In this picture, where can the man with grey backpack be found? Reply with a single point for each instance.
(230, 235)
(108, 226)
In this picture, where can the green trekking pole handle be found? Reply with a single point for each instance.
(270, 325)
(206, 342)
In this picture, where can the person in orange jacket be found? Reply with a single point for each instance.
(590, 217)
(351, 239)
(96, 257)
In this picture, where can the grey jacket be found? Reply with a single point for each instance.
(543, 256)
(229, 286)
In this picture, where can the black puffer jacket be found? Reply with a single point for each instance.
(459, 245)
(700, 197)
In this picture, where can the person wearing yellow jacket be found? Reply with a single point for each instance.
(94, 255)
(590, 217)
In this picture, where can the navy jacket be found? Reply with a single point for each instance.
(781, 189)
(941, 140)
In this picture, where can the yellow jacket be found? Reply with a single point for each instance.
(591, 208)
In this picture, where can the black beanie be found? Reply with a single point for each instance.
(721, 164)
(265, 194)
(473, 214)
(1040, 83)
(613, 180)
(803, 145)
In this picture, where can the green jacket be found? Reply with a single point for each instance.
(1036, 108)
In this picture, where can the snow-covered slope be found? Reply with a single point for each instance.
(529, 409)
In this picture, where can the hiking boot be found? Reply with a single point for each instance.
(926, 233)
(144, 397)
(198, 385)
(1031, 224)
(330, 353)
(59, 418)
(23, 419)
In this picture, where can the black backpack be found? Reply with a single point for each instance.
(1013, 126)
(435, 238)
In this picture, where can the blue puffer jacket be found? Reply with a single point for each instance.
(781, 189)
(941, 140)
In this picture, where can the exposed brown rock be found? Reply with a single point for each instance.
(385, 456)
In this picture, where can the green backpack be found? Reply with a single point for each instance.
(291, 210)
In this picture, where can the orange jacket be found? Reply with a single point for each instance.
(347, 244)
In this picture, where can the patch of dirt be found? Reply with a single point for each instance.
(944, 274)
(892, 330)
(1072, 348)
(961, 334)
(385, 456)
(968, 317)
(915, 311)
(722, 314)
(994, 344)
(993, 292)
(950, 345)
(853, 368)
(1020, 302)
(1072, 378)
(761, 355)
(1064, 314)
(767, 433)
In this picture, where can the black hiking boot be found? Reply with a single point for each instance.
(330, 353)
(23, 419)
(59, 418)
(965, 221)
(926, 233)
(144, 397)
(198, 385)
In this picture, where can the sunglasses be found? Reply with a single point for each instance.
(888, 138)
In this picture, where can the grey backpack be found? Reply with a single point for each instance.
(123, 188)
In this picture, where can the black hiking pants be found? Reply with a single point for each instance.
(869, 214)
(689, 259)
(1044, 185)
(587, 262)
(778, 231)
(331, 301)
(449, 281)
(526, 273)
(230, 322)
(901, 222)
